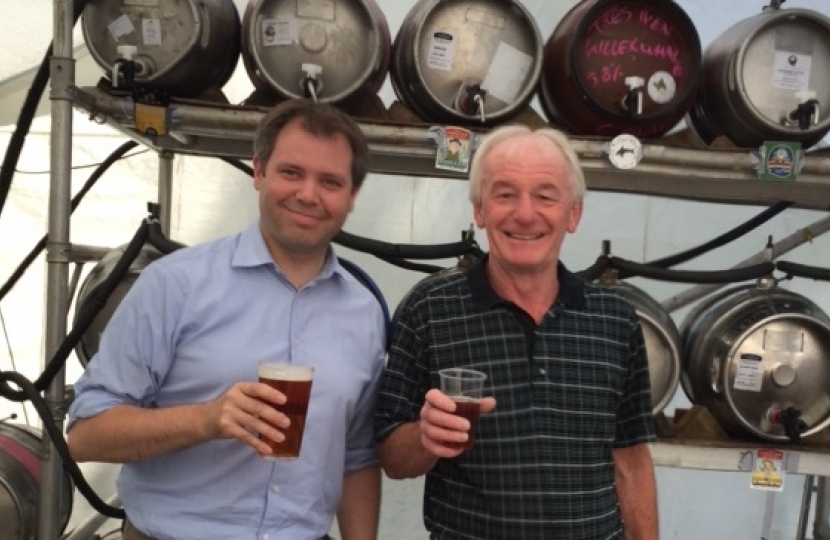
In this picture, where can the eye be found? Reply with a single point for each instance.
(289, 172)
(331, 182)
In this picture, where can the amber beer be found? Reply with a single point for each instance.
(468, 408)
(295, 382)
(464, 386)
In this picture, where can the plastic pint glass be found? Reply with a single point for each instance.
(295, 382)
(464, 387)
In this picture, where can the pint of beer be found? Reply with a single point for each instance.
(464, 387)
(295, 382)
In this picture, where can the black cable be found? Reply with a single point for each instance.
(801, 270)
(693, 276)
(593, 272)
(41, 245)
(97, 300)
(156, 238)
(247, 169)
(69, 465)
(409, 265)
(27, 114)
(405, 251)
(729, 236)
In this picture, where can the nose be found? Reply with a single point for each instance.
(307, 191)
(524, 210)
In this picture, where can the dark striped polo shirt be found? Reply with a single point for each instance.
(568, 391)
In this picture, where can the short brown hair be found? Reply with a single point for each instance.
(318, 119)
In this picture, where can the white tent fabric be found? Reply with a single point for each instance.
(211, 199)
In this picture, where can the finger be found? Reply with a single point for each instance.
(439, 400)
(488, 404)
(431, 416)
(438, 449)
(261, 391)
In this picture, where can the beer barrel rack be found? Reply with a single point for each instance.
(401, 145)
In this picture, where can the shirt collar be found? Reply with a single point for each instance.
(251, 251)
(571, 287)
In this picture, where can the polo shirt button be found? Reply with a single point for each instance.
(266, 537)
(275, 488)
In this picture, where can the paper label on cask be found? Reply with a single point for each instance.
(279, 32)
(441, 50)
(750, 373)
(791, 70)
(507, 73)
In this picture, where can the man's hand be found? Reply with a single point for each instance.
(442, 431)
(247, 410)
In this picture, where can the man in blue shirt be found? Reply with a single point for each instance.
(172, 391)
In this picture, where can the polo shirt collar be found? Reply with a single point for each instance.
(571, 287)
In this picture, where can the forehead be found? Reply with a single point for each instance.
(528, 158)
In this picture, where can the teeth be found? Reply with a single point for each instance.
(524, 236)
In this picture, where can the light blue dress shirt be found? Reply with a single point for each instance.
(199, 320)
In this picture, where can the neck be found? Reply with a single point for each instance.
(298, 267)
(534, 292)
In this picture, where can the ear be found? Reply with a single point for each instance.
(478, 215)
(574, 217)
(258, 173)
(354, 193)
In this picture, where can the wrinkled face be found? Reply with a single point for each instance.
(305, 192)
(527, 205)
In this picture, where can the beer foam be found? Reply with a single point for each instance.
(286, 372)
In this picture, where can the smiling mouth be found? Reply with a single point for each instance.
(524, 237)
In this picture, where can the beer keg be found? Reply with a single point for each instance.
(91, 339)
(466, 61)
(620, 66)
(767, 78)
(181, 46)
(320, 49)
(758, 357)
(20, 471)
(662, 340)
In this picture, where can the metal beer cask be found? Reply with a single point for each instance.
(620, 66)
(662, 340)
(20, 470)
(767, 78)
(467, 61)
(320, 49)
(757, 358)
(91, 339)
(181, 46)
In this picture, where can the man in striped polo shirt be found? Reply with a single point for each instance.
(560, 451)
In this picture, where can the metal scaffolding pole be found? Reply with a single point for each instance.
(62, 75)
(165, 190)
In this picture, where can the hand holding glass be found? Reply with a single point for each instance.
(464, 387)
(294, 382)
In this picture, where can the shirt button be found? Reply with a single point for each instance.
(275, 489)
(266, 537)
(542, 371)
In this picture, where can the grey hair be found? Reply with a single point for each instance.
(506, 133)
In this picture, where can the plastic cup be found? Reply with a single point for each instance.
(464, 386)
